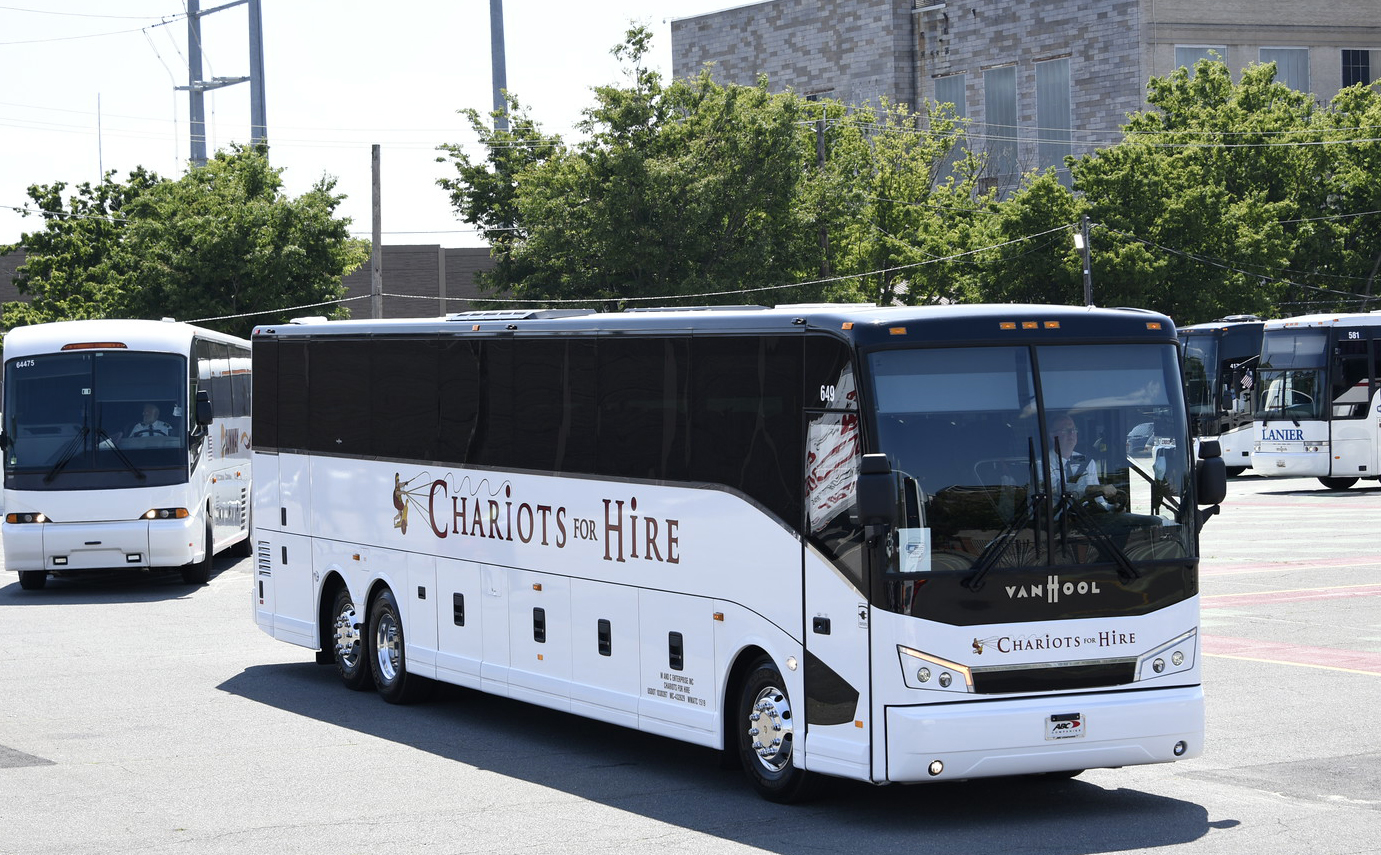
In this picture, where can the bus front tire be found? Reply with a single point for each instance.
(1337, 483)
(388, 660)
(765, 726)
(33, 580)
(199, 573)
(348, 649)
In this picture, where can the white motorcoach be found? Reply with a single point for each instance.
(126, 444)
(828, 540)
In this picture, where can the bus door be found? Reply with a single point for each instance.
(1353, 420)
(837, 617)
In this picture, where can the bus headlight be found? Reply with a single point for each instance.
(19, 519)
(1175, 655)
(166, 514)
(917, 671)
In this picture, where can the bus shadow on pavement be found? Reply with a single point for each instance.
(685, 785)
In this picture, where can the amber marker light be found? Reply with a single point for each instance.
(1153, 325)
(95, 345)
(1007, 325)
(1029, 325)
(1052, 325)
(847, 325)
(896, 330)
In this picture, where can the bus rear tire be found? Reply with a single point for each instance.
(199, 573)
(1337, 483)
(33, 580)
(765, 725)
(388, 654)
(348, 651)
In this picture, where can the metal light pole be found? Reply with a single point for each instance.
(1081, 243)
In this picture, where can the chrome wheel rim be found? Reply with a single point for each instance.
(348, 637)
(386, 644)
(770, 729)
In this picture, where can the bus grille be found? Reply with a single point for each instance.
(264, 558)
(1054, 678)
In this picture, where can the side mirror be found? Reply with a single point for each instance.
(1211, 473)
(877, 492)
(203, 413)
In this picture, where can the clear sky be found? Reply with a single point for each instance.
(87, 85)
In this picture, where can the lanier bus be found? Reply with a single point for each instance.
(819, 538)
(1318, 412)
(1220, 376)
(126, 444)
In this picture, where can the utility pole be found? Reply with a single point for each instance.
(499, 64)
(820, 162)
(197, 88)
(376, 261)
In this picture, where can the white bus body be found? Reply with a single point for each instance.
(90, 485)
(653, 519)
(1319, 410)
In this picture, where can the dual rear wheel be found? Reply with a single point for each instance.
(370, 652)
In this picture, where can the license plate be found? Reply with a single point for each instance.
(1065, 726)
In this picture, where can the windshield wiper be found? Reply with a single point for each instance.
(1157, 485)
(68, 452)
(997, 547)
(1069, 502)
(103, 437)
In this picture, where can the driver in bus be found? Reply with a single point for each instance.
(150, 425)
(1080, 472)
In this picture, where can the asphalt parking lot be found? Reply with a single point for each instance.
(138, 714)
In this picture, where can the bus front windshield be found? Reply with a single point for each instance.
(1026, 457)
(95, 419)
(1291, 375)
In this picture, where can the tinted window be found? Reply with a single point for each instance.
(641, 429)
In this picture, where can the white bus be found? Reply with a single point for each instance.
(1220, 377)
(1319, 412)
(126, 444)
(817, 538)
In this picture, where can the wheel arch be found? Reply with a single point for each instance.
(728, 702)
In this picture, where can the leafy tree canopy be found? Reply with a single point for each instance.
(221, 241)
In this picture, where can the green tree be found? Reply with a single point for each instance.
(1202, 209)
(222, 240)
(1035, 260)
(73, 266)
(691, 188)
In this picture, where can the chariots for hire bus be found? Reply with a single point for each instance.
(886, 544)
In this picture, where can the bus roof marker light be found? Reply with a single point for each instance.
(896, 330)
(1153, 325)
(95, 345)
(1007, 325)
(1052, 325)
(847, 325)
(1029, 325)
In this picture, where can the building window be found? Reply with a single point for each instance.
(1000, 118)
(1292, 66)
(1188, 55)
(1053, 116)
(950, 90)
(1356, 67)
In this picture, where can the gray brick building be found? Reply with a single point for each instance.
(1037, 80)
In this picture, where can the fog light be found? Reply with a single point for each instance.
(945, 680)
(923, 675)
(1158, 665)
(1180, 748)
(1178, 658)
(936, 767)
